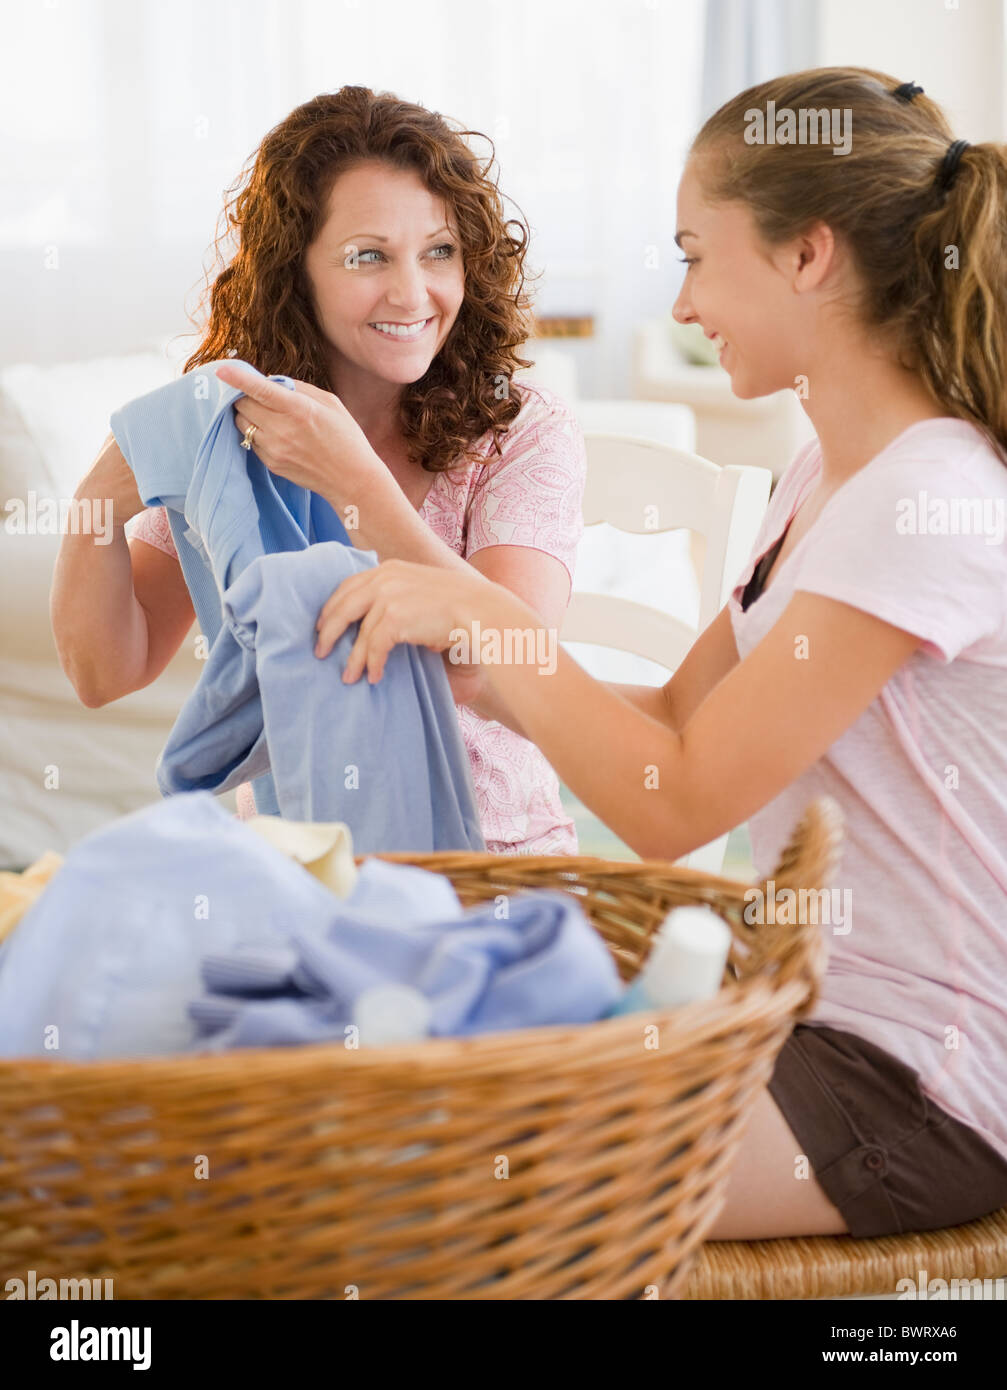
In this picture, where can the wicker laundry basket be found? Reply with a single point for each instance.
(567, 1162)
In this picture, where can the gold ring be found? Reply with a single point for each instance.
(246, 442)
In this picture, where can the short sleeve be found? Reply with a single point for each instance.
(906, 540)
(152, 526)
(533, 493)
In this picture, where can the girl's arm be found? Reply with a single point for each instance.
(707, 661)
(543, 583)
(665, 791)
(396, 531)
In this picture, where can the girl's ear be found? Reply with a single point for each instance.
(814, 257)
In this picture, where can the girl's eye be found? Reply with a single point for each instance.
(446, 246)
(688, 260)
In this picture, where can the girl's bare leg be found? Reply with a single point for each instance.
(765, 1195)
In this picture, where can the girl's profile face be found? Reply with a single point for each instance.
(388, 254)
(738, 291)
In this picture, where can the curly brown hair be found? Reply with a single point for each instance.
(260, 305)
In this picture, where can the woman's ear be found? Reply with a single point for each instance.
(813, 257)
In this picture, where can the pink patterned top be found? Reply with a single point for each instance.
(529, 495)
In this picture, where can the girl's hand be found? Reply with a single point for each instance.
(399, 601)
(305, 435)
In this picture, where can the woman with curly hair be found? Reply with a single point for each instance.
(374, 266)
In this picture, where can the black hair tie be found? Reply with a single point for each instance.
(907, 91)
(949, 166)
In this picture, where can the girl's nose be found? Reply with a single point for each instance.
(682, 310)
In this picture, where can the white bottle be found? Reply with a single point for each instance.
(686, 962)
(387, 1014)
(390, 1013)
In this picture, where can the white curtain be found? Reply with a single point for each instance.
(122, 122)
(749, 41)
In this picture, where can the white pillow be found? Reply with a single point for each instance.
(21, 461)
(64, 412)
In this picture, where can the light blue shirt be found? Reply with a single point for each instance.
(180, 905)
(542, 964)
(107, 958)
(387, 759)
(224, 506)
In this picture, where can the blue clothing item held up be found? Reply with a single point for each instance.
(224, 506)
(264, 707)
(387, 759)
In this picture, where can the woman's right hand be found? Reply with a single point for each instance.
(110, 477)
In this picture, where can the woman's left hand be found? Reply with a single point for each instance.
(399, 601)
(305, 435)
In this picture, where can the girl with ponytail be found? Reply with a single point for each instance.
(862, 654)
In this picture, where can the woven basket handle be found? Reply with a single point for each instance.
(788, 937)
(811, 856)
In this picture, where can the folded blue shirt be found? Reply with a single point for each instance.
(387, 759)
(224, 506)
(107, 958)
(145, 912)
(541, 964)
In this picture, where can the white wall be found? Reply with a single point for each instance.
(955, 49)
(122, 122)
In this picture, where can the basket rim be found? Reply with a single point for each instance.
(615, 868)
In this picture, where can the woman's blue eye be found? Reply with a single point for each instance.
(445, 246)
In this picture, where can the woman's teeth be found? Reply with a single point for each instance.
(719, 343)
(399, 330)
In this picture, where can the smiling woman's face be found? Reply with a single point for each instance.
(387, 254)
(739, 292)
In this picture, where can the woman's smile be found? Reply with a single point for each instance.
(401, 332)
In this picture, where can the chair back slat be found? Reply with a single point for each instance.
(642, 487)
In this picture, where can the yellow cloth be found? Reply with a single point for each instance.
(19, 891)
(324, 848)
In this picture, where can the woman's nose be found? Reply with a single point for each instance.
(408, 288)
(682, 311)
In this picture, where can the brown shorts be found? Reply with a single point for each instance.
(889, 1158)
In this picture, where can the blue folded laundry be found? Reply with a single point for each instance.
(105, 961)
(178, 928)
(387, 759)
(541, 964)
(224, 506)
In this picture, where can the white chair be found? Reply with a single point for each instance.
(644, 488)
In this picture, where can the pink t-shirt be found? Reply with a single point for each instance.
(918, 964)
(529, 495)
